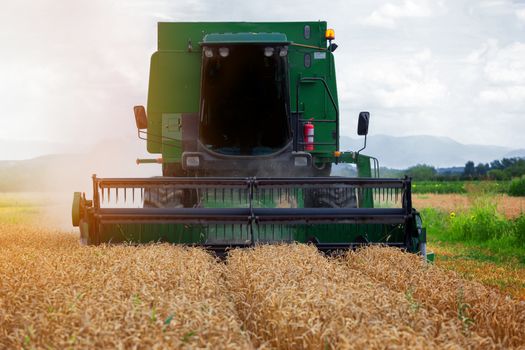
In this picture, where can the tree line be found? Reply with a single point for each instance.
(504, 169)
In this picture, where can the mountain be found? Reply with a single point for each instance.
(116, 158)
(27, 149)
(518, 153)
(72, 172)
(403, 152)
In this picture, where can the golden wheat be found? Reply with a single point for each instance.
(291, 297)
(482, 310)
(57, 294)
(54, 293)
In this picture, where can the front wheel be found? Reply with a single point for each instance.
(331, 198)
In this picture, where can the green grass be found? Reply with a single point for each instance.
(438, 187)
(480, 233)
(443, 187)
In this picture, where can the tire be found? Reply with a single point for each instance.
(163, 198)
(332, 198)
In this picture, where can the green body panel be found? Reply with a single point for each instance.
(176, 36)
(364, 170)
(201, 234)
(173, 88)
(242, 38)
(171, 134)
(175, 73)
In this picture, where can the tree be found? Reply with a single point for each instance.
(470, 169)
(507, 162)
(517, 168)
(422, 172)
(497, 174)
(481, 169)
(496, 164)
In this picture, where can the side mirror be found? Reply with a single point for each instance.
(362, 125)
(140, 117)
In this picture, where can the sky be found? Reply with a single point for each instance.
(72, 70)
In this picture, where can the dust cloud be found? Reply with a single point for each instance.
(50, 181)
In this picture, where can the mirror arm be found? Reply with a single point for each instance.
(141, 133)
(364, 146)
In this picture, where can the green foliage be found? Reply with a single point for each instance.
(186, 337)
(480, 227)
(497, 174)
(516, 167)
(483, 187)
(422, 172)
(519, 231)
(470, 170)
(439, 187)
(505, 169)
(482, 223)
(463, 311)
(517, 187)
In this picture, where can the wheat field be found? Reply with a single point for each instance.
(56, 294)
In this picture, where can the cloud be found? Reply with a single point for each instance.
(520, 13)
(507, 65)
(388, 14)
(500, 74)
(493, 3)
(508, 96)
(72, 70)
(409, 81)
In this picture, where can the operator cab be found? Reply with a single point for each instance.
(245, 94)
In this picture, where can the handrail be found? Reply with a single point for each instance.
(334, 104)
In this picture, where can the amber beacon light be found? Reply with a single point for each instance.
(330, 34)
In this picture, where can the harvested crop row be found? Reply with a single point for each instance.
(55, 293)
(482, 310)
(292, 297)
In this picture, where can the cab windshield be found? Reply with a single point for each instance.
(245, 101)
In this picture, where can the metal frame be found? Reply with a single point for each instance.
(251, 216)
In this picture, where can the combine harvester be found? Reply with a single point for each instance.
(246, 118)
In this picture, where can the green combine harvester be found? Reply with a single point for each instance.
(246, 119)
